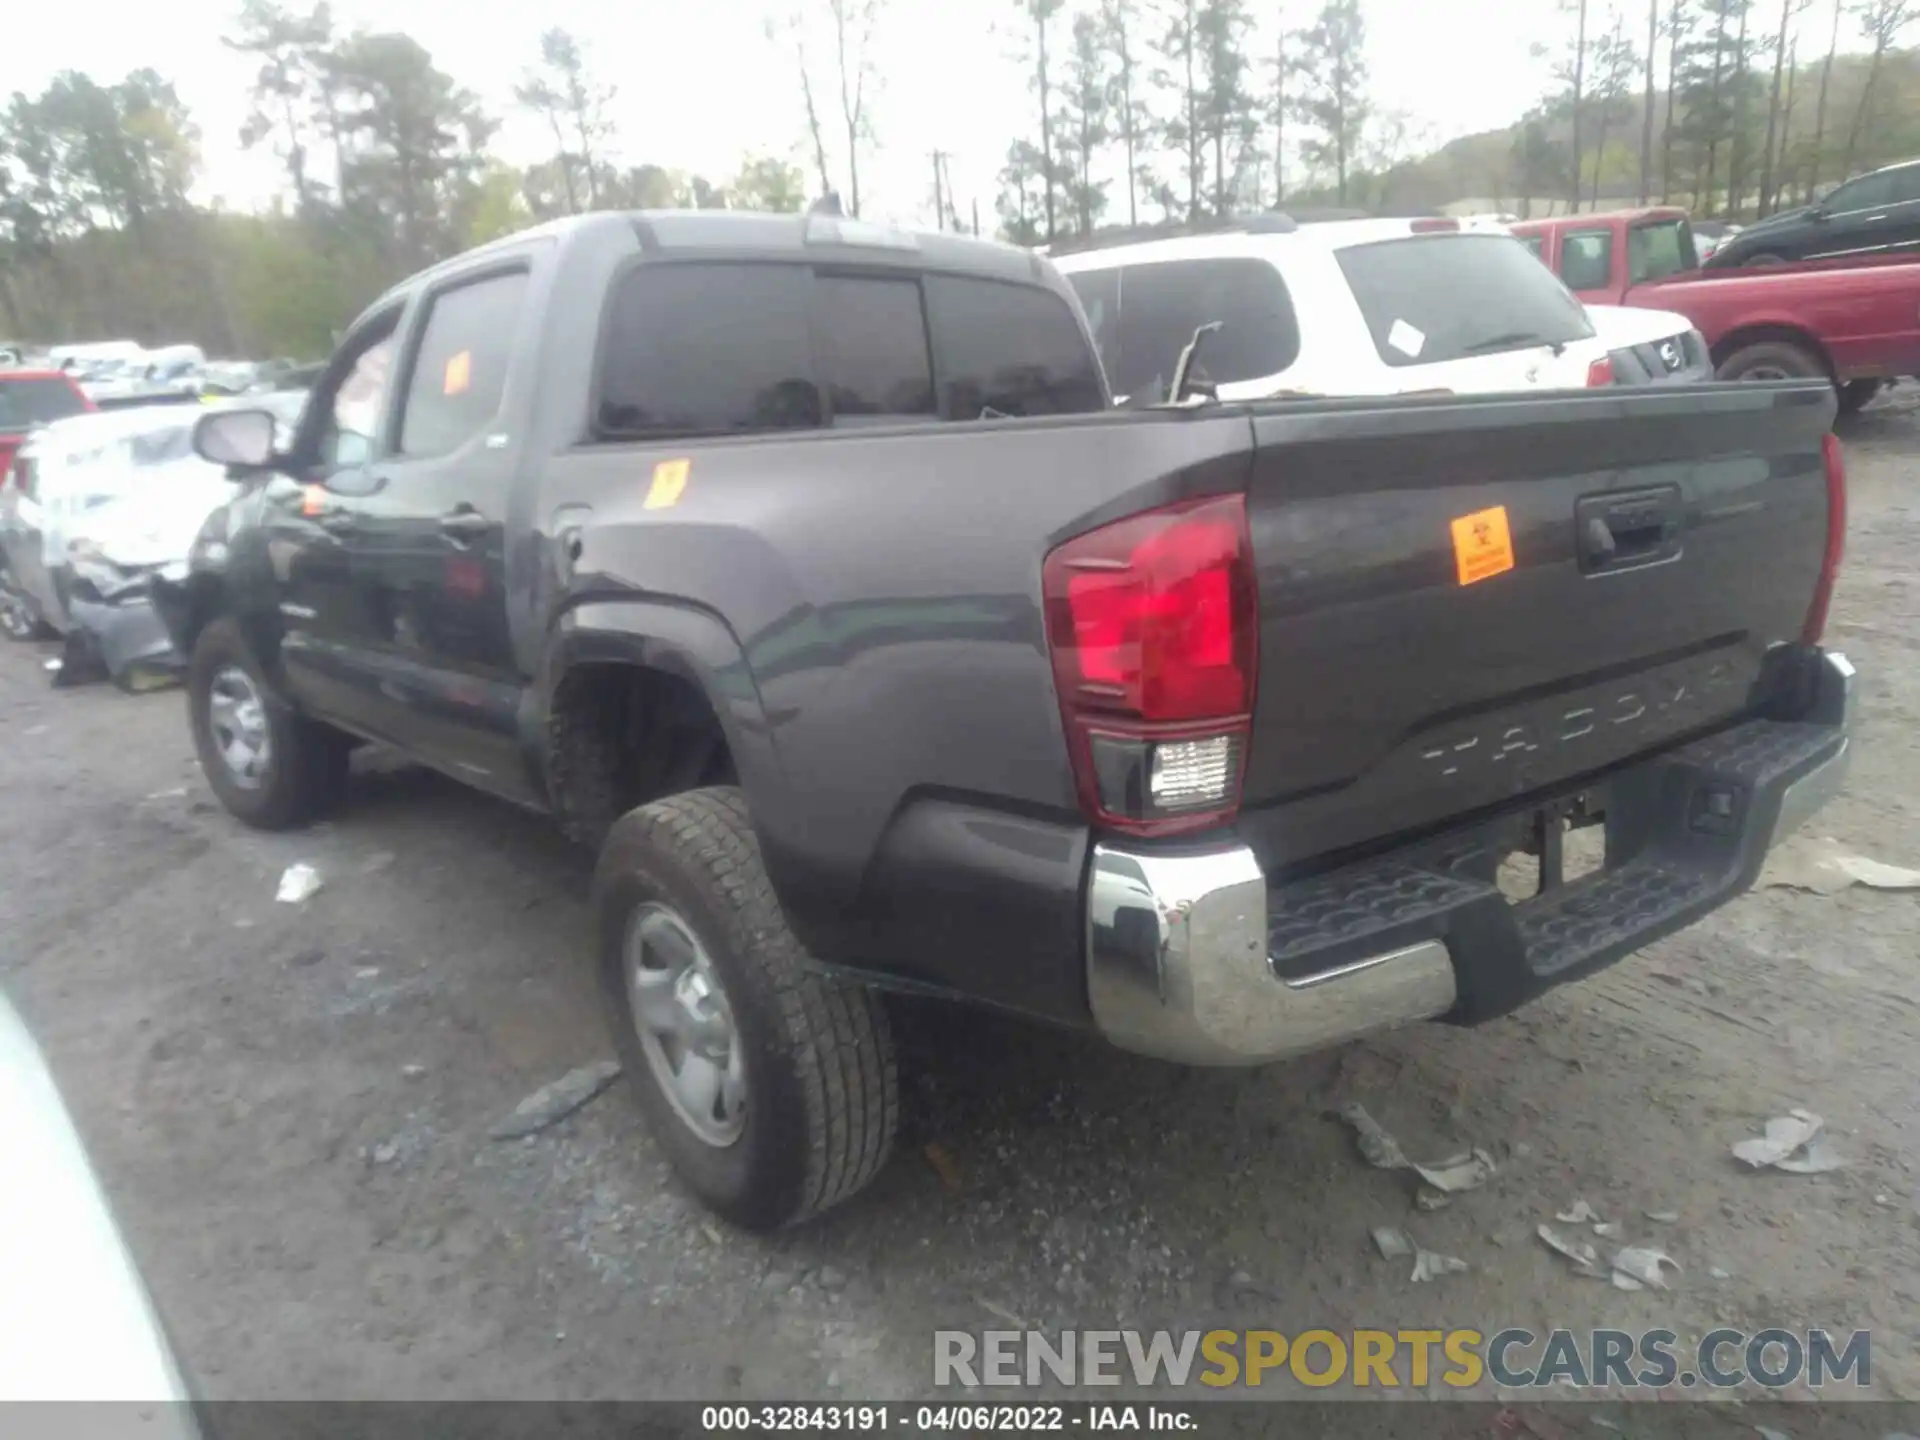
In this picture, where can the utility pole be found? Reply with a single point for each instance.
(940, 205)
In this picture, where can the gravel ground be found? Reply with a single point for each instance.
(291, 1106)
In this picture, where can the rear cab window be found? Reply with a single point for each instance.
(1659, 249)
(744, 347)
(1144, 315)
(1586, 259)
(36, 400)
(1433, 298)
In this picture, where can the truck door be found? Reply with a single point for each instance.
(430, 547)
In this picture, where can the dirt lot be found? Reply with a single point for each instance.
(291, 1105)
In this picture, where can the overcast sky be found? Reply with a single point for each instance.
(700, 85)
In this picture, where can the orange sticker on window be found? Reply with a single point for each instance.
(459, 374)
(669, 479)
(1482, 545)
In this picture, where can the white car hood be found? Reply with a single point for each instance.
(76, 1322)
(1624, 325)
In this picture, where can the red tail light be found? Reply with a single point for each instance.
(1836, 467)
(1600, 372)
(1153, 626)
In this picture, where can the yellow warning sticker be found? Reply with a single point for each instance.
(459, 374)
(669, 479)
(1482, 545)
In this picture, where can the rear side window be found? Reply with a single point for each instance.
(460, 370)
(1162, 305)
(1862, 194)
(1433, 298)
(709, 349)
(1658, 250)
(871, 336)
(1008, 350)
(1903, 185)
(1586, 259)
(39, 401)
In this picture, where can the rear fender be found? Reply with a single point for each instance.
(694, 645)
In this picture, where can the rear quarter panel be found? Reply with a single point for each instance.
(1867, 318)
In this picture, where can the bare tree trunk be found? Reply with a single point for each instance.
(1737, 156)
(1673, 85)
(1820, 107)
(813, 120)
(1126, 123)
(1783, 179)
(1773, 110)
(1280, 119)
(1862, 112)
(1046, 120)
(1579, 83)
(850, 104)
(1196, 150)
(1646, 122)
(1713, 136)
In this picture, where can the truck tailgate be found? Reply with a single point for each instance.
(1415, 667)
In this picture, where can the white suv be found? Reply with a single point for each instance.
(1358, 307)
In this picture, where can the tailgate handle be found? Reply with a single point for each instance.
(1623, 532)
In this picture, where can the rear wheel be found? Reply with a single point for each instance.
(1855, 394)
(1772, 360)
(771, 1087)
(271, 766)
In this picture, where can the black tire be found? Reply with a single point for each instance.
(20, 619)
(821, 1084)
(1855, 394)
(1765, 257)
(1772, 360)
(305, 773)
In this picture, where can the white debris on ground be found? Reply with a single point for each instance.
(1443, 1179)
(1396, 1244)
(553, 1102)
(1793, 1143)
(298, 883)
(1826, 867)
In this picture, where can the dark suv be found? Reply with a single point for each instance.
(1872, 214)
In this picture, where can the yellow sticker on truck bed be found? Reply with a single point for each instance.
(1482, 545)
(669, 479)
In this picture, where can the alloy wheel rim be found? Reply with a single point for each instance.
(237, 717)
(685, 1025)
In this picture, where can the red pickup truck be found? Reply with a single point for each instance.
(1858, 325)
(29, 398)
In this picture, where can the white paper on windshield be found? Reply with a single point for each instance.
(1406, 339)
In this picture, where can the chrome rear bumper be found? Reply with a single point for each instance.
(1180, 957)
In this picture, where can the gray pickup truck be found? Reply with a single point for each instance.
(803, 568)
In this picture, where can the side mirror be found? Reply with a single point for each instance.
(1818, 211)
(235, 437)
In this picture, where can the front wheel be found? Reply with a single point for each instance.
(269, 765)
(771, 1087)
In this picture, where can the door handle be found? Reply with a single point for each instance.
(464, 525)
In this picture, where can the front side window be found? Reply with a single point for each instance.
(709, 349)
(1005, 350)
(353, 417)
(1433, 298)
(460, 369)
(1586, 259)
(1536, 245)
